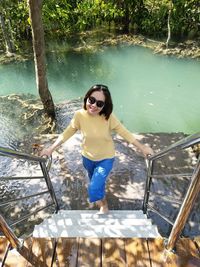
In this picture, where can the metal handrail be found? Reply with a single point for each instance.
(44, 164)
(22, 198)
(20, 155)
(30, 214)
(169, 199)
(191, 194)
(186, 142)
(162, 216)
(186, 207)
(10, 178)
(17, 244)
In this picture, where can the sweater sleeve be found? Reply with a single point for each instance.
(72, 128)
(119, 128)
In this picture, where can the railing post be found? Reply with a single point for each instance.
(149, 164)
(186, 208)
(49, 184)
(15, 243)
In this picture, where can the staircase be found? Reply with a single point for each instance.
(88, 223)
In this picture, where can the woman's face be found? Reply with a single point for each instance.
(95, 103)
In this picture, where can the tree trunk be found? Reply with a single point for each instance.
(169, 28)
(126, 19)
(8, 42)
(35, 7)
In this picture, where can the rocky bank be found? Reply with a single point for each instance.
(91, 42)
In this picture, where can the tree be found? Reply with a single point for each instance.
(35, 7)
(168, 25)
(6, 31)
(8, 42)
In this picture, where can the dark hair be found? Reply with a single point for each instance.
(108, 107)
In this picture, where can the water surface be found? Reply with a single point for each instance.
(151, 93)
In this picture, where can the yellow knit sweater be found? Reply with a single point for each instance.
(96, 131)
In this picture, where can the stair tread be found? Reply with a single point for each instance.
(94, 214)
(59, 220)
(97, 231)
(88, 223)
(94, 211)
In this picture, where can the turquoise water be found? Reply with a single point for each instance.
(151, 93)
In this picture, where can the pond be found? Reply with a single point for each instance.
(151, 93)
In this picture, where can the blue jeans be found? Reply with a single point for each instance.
(98, 171)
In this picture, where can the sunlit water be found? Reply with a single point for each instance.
(151, 93)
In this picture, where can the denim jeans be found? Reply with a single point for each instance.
(98, 172)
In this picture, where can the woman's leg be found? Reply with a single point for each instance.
(96, 188)
(98, 172)
(89, 165)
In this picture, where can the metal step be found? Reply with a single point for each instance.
(96, 221)
(90, 224)
(92, 214)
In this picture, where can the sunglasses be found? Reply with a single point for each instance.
(100, 86)
(93, 100)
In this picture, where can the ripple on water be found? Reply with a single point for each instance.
(10, 136)
(9, 132)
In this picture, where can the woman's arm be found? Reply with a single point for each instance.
(146, 150)
(49, 150)
(119, 128)
(71, 129)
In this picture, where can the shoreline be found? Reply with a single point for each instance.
(30, 116)
(88, 43)
(25, 119)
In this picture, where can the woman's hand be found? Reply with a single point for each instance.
(146, 150)
(49, 150)
(46, 152)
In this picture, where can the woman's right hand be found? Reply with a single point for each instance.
(49, 150)
(46, 152)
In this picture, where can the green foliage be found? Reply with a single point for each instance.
(155, 21)
(148, 17)
(93, 13)
(57, 17)
(15, 15)
(186, 17)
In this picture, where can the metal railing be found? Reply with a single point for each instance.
(43, 164)
(187, 203)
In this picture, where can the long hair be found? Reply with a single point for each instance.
(108, 107)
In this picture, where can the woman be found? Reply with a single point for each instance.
(96, 122)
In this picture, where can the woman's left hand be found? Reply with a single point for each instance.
(146, 151)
